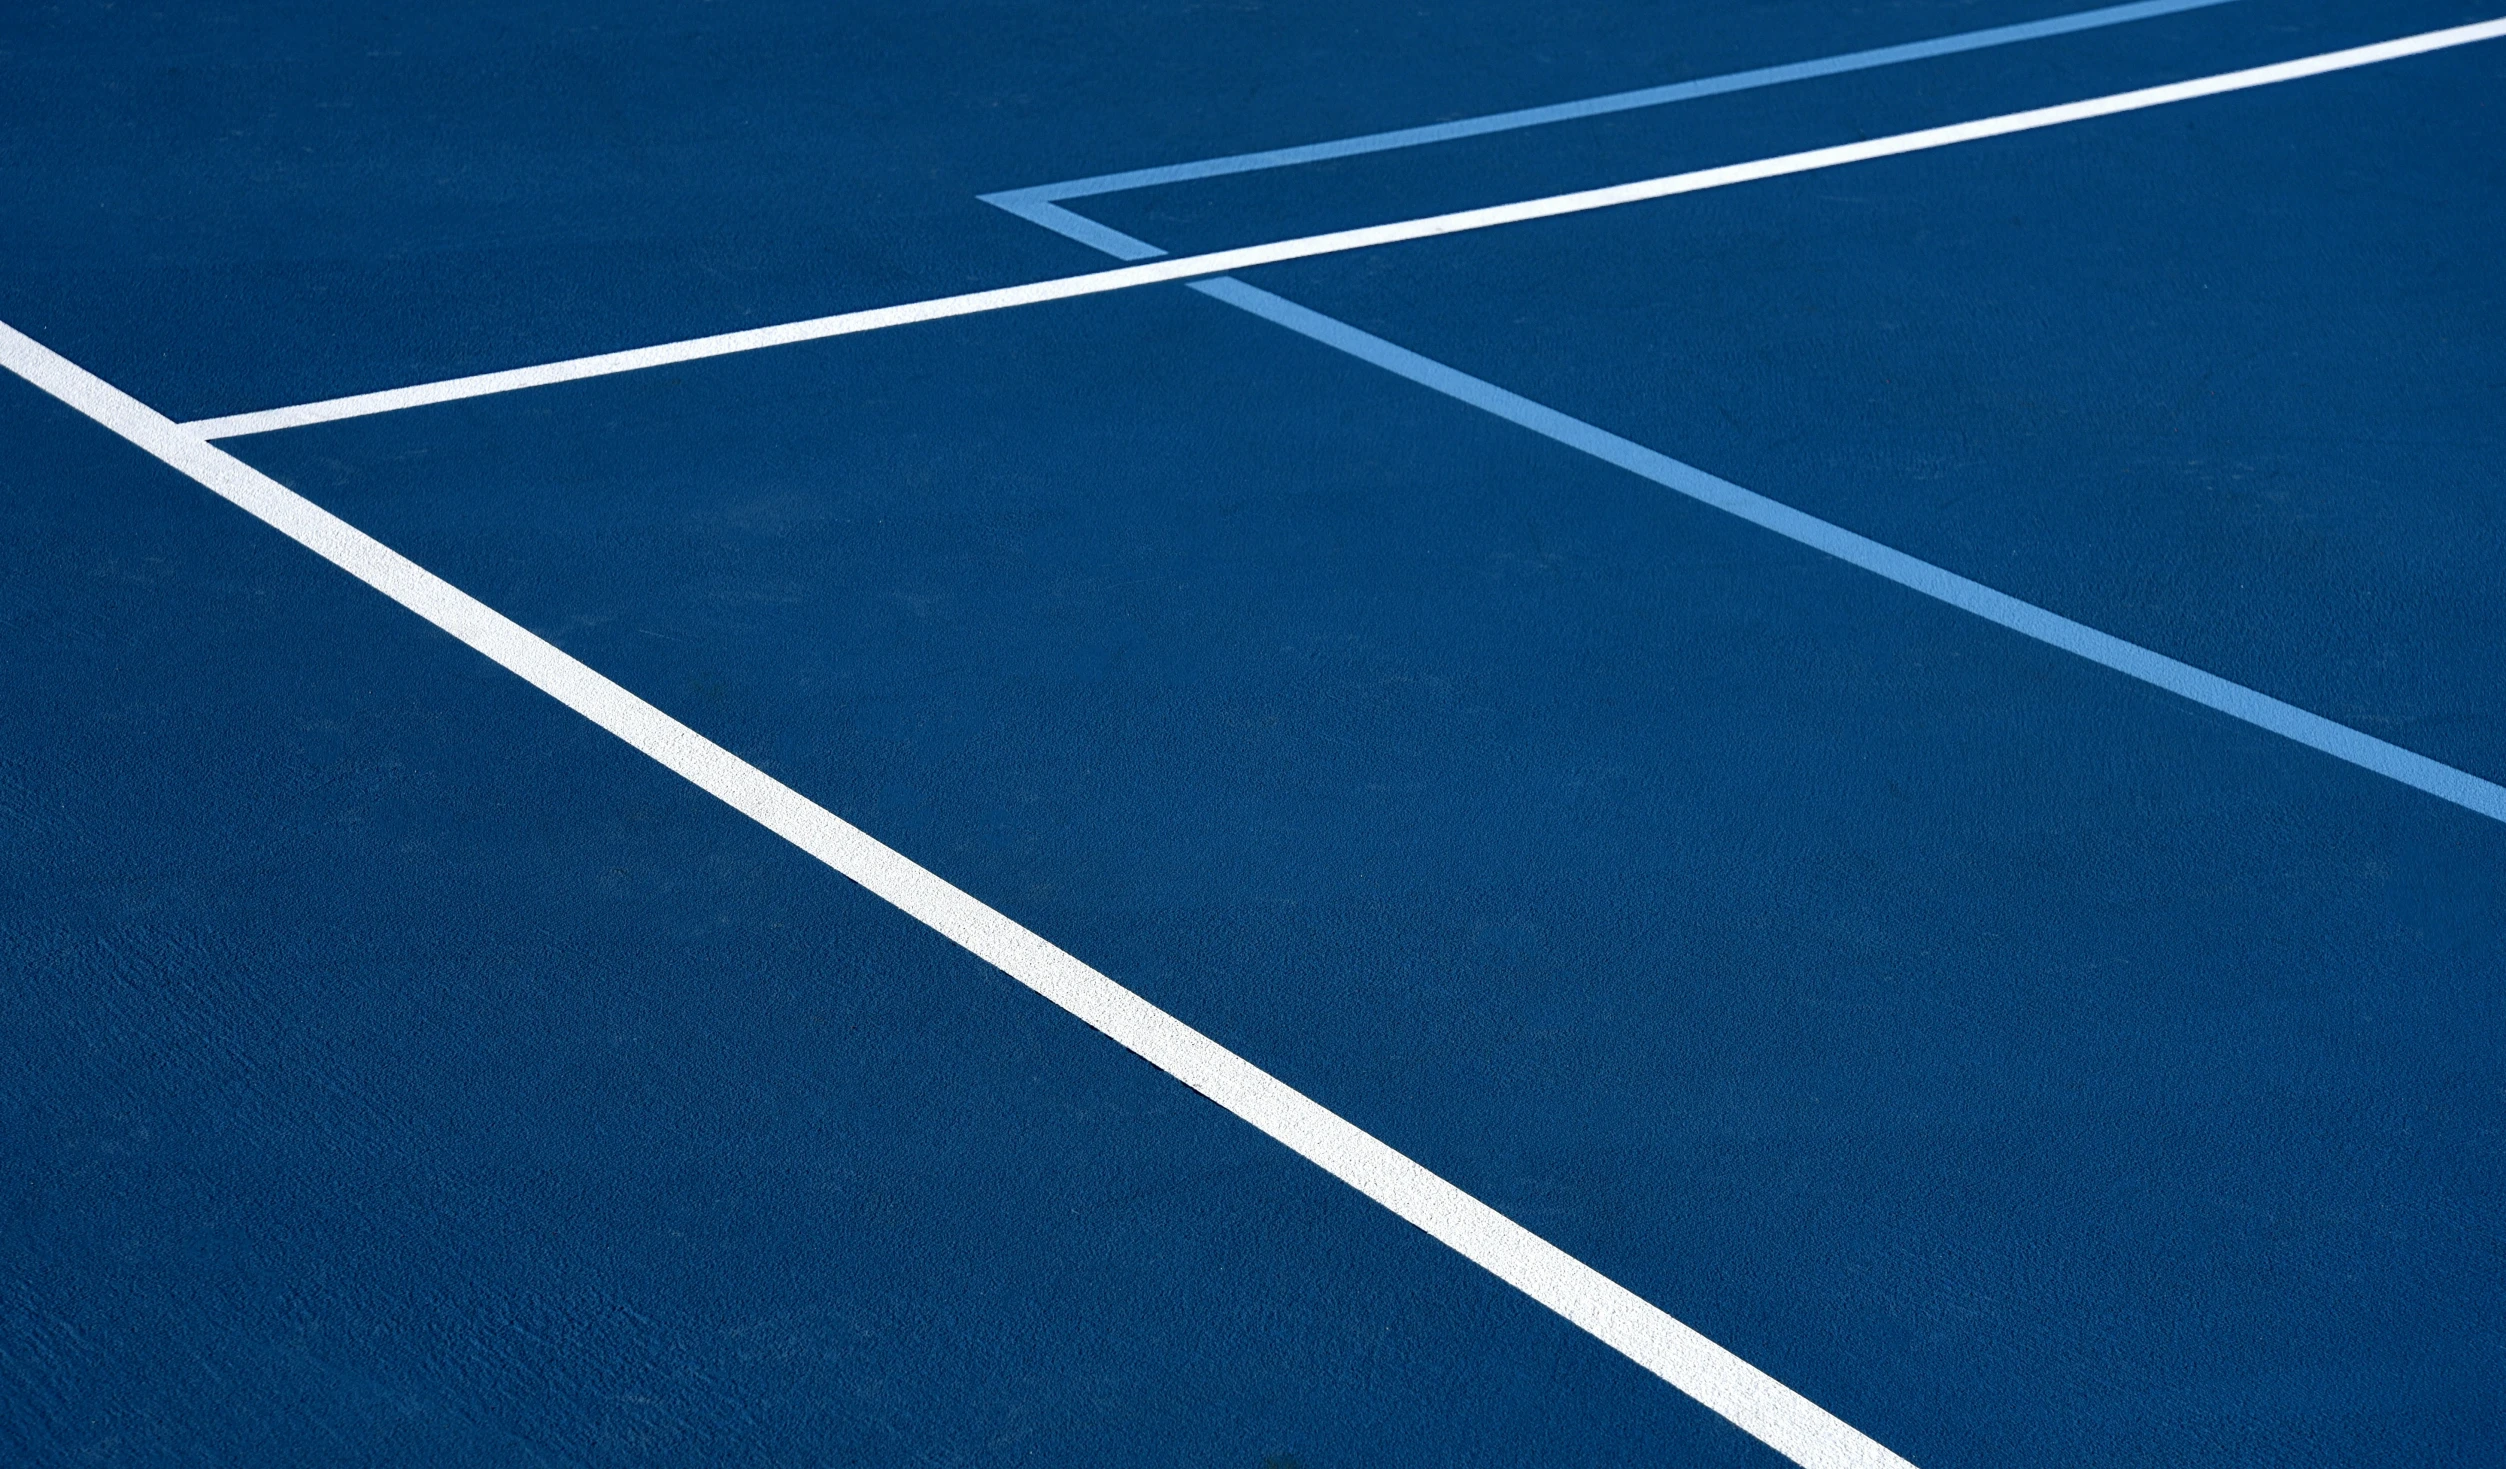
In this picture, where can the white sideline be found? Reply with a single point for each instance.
(1222, 262)
(1758, 1404)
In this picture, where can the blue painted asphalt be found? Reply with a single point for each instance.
(1899, 53)
(2023, 1063)
(233, 206)
(2251, 427)
(1533, 162)
(1855, 979)
(403, 1071)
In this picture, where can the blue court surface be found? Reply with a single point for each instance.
(1571, 734)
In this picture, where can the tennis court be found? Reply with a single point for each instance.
(1269, 735)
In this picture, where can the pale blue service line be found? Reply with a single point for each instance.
(1036, 205)
(1077, 226)
(2232, 699)
(1022, 201)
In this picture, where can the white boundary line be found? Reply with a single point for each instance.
(1758, 1404)
(1221, 262)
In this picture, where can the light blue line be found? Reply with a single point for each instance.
(1077, 226)
(1472, 127)
(2029, 620)
(2232, 699)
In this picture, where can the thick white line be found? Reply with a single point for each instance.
(1766, 1409)
(1221, 262)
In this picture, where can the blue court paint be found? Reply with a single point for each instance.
(1024, 202)
(1746, 1397)
(1200, 215)
(2027, 1063)
(2235, 700)
(2244, 427)
(2340, 741)
(2031, 1065)
(1253, 257)
(400, 1070)
(372, 196)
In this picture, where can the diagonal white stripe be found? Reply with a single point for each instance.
(1221, 262)
(1783, 1419)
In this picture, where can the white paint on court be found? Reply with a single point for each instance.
(1765, 1408)
(1248, 257)
(1784, 1420)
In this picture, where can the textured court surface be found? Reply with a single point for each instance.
(2016, 1058)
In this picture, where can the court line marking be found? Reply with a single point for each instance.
(2026, 618)
(1223, 262)
(1038, 196)
(1766, 1409)
(2225, 696)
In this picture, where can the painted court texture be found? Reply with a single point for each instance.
(1265, 735)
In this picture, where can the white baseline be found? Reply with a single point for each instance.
(1784, 1420)
(1222, 262)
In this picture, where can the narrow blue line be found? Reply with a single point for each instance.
(1036, 205)
(1471, 127)
(2232, 699)
(1076, 226)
